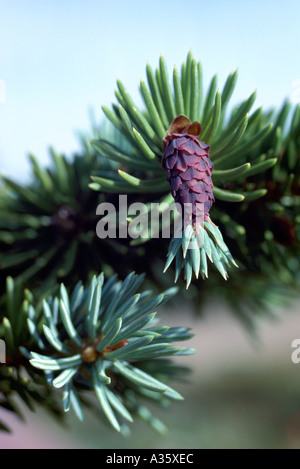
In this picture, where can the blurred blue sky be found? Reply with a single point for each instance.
(60, 58)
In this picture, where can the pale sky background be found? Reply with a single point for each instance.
(60, 58)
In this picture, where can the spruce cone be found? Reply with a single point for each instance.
(186, 161)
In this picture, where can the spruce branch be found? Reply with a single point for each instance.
(48, 226)
(19, 323)
(101, 337)
(272, 223)
(145, 131)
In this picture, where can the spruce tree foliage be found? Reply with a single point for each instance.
(18, 324)
(102, 337)
(74, 315)
(47, 227)
(231, 142)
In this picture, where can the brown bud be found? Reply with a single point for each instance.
(89, 354)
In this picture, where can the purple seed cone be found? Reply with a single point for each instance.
(188, 167)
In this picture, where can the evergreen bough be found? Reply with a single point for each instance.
(64, 325)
